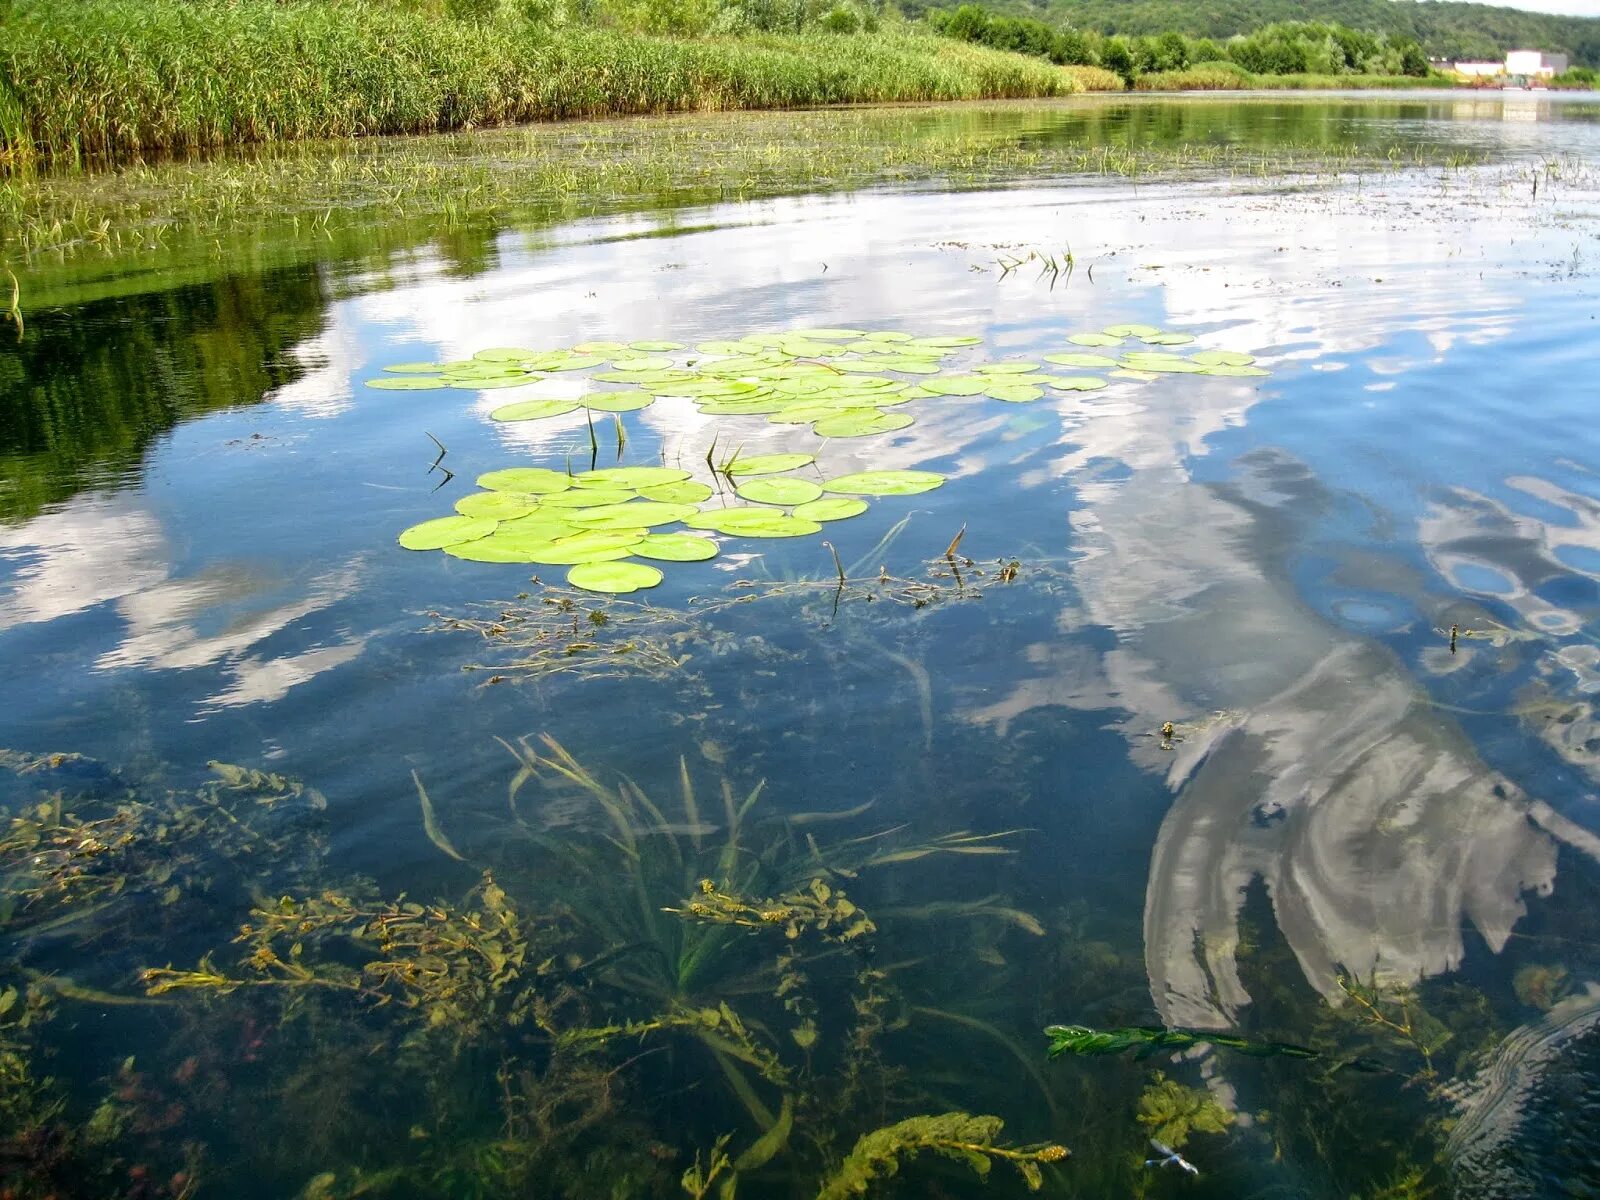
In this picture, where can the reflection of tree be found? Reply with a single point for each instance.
(89, 387)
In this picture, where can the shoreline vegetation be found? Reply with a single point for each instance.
(115, 82)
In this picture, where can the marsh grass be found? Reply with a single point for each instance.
(107, 81)
(1226, 76)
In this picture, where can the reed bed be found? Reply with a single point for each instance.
(1221, 76)
(109, 81)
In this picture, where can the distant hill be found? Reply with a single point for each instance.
(1445, 29)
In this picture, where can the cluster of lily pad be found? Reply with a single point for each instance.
(597, 522)
(841, 382)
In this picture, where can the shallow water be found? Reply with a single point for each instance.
(198, 563)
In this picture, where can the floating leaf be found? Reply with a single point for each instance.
(1222, 358)
(635, 514)
(753, 522)
(655, 347)
(1094, 339)
(600, 347)
(688, 491)
(1166, 363)
(885, 483)
(525, 479)
(578, 362)
(541, 525)
(589, 546)
(742, 406)
(779, 490)
(533, 410)
(958, 385)
(887, 335)
(1130, 373)
(497, 506)
(1015, 393)
(727, 347)
(1082, 359)
(946, 343)
(618, 578)
(831, 508)
(616, 402)
(769, 464)
(409, 383)
(909, 366)
(860, 424)
(589, 497)
(446, 531)
(1125, 331)
(493, 549)
(630, 477)
(827, 335)
(1075, 383)
(642, 362)
(503, 354)
(491, 382)
(1147, 1039)
(1006, 368)
(1167, 339)
(676, 547)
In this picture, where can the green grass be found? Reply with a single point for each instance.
(1221, 76)
(115, 80)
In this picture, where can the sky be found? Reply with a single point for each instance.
(1569, 8)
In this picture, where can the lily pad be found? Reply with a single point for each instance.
(589, 546)
(489, 383)
(1222, 358)
(446, 531)
(1094, 339)
(675, 547)
(634, 514)
(1081, 359)
(1006, 368)
(688, 491)
(526, 479)
(655, 347)
(827, 335)
(887, 335)
(617, 578)
(588, 497)
(541, 525)
(1015, 393)
(779, 489)
(1130, 373)
(601, 347)
(409, 383)
(1075, 383)
(861, 424)
(1127, 331)
(885, 483)
(578, 362)
(630, 477)
(769, 464)
(497, 506)
(1167, 339)
(958, 385)
(830, 508)
(743, 406)
(616, 402)
(504, 354)
(946, 343)
(725, 347)
(641, 362)
(533, 410)
(753, 521)
(1166, 363)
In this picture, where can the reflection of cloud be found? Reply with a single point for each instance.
(261, 681)
(327, 362)
(94, 549)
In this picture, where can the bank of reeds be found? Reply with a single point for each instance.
(1096, 79)
(1221, 76)
(114, 80)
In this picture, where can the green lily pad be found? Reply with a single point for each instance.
(533, 410)
(830, 508)
(958, 385)
(577, 362)
(616, 402)
(589, 546)
(1230, 370)
(541, 525)
(909, 366)
(1222, 358)
(888, 335)
(779, 489)
(446, 531)
(688, 491)
(1083, 359)
(769, 464)
(725, 347)
(861, 424)
(641, 362)
(885, 483)
(1006, 368)
(492, 550)
(616, 578)
(526, 479)
(655, 347)
(1015, 393)
(630, 477)
(1131, 373)
(1127, 331)
(589, 497)
(827, 335)
(498, 381)
(1094, 339)
(675, 547)
(753, 521)
(601, 347)
(946, 343)
(497, 506)
(634, 514)
(1167, 363)
(743, 406)
(807, 412)
(409, 383)
(1167, 339)
(503, 354)
(1075, 383)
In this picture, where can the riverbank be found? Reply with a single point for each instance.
(1227, 77)
(113, 81)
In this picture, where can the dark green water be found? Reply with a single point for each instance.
(1358, 838)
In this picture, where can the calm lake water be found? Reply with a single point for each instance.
(1178, 735)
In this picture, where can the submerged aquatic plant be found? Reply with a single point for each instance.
(956, 1135)
(1170, 1111)
(1146, 1040)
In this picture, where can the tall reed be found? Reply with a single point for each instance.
(114, 80)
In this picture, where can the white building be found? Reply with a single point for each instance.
(1535, 64)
